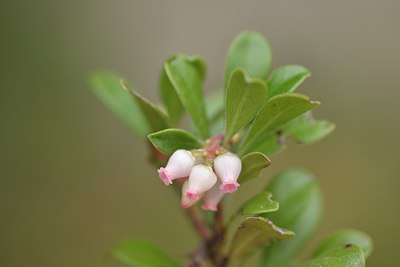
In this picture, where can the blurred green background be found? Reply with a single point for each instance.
(74, 181)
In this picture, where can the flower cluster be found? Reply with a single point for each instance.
(203, 177)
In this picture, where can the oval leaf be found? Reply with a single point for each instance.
(286, 79)
(186, 76)
(342, 256)
(261, 203)
(156, 118)
(253, 233)
(343, 238)
(271, 144)
(305, 129)
(142, 254)
(250, 51)
(244, 97)
(170, 140)
(299, 210)
(107, 87)
(277, 111)
(252, 164)
(170, 99)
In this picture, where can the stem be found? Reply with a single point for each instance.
(198, 223)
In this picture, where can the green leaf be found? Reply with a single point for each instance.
(305, 129)
(215, 111)
(286, 79)
(186, 74)
(142, 254)
(341, 256)
(250, 51)
(170, 140)
(156, 118)
(300, 210)
(244, 97)
(271, 144)
(252, 164)
(343, 238)
(253, 233)
(107, 87)
(170, 99)
(259, 204)
(277, 111)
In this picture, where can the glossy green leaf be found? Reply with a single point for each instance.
(186, 74)
(286, 79)
(252, 164)
(250, 51)
(305, 129)
(244, 97)
(107, 87)
(170, 140)
(343, 238)
(341, 256)
(259, 204)
(253, 233)
(277, 111)
(156, 118)
(170, 99)
(142, 254)
(271, 144)
(300, 209)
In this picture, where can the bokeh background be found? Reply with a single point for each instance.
(74, 181)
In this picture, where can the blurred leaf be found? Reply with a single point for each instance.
(215, 111)
(107, 87)
(253, 233)
(156, 118)
(186, 74)
(270, 145)
(142, 254)
(341, 256)
(277, 111)
(300, 210)
(286, 79)
(252, 164)
(305, 129)
(343, 238)
(170, 99)
(244, 97)
(170, 140)
(250, 51)
(261, 203)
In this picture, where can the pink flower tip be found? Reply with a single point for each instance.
(229, 187)
(185, 205)
(192, 195)
(209, 207)
(163, 176)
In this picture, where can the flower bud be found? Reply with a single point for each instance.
(179, 165)
(186, 202)
(228, 167)
(212, 198)
(201, 179)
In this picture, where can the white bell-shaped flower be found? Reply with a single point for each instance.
(201, 179)
(179, 165)
(212, 198)
(186, 202)
(228, 167)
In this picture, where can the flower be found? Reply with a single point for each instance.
(201, 179)
(228, 167)
(179, 165)
(212, 198)
(186, 202)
